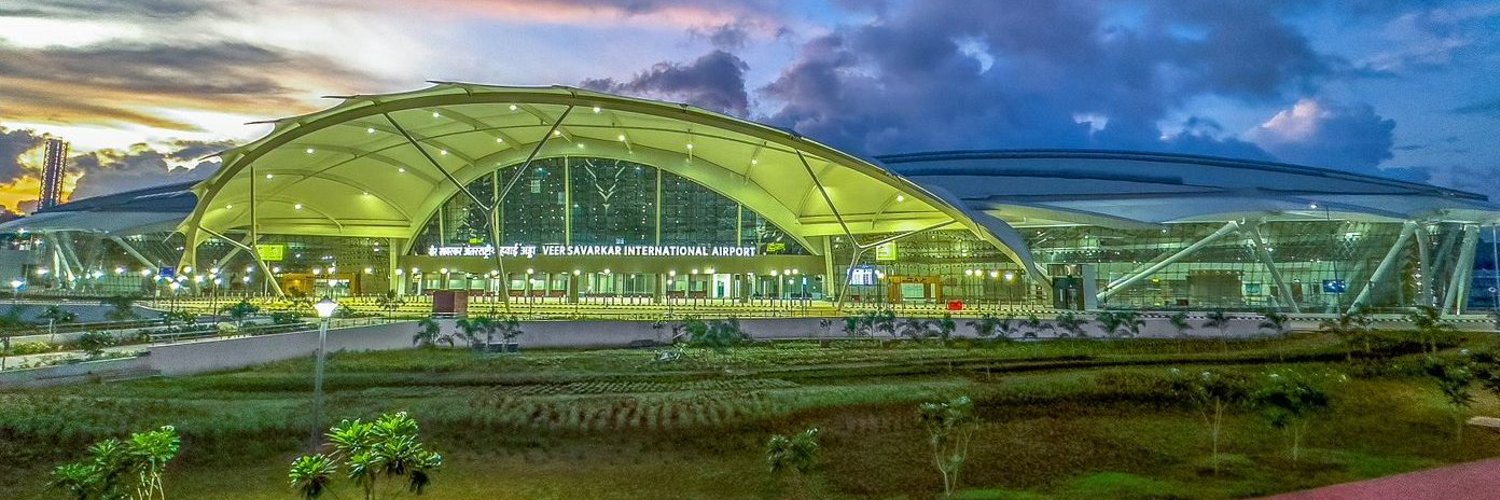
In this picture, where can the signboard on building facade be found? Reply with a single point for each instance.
(885, 252)
(529, 251)
(271, 253)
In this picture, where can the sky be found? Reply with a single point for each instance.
(147, 90)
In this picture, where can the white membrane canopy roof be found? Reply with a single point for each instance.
(1140, 190)
(380, 165)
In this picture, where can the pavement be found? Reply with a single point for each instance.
(1466, 481)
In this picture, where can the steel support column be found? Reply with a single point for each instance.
(1230, 227)
(1452, 301)
(270, 278)
(1424, 266)
(1259, 243)
(1384, 268)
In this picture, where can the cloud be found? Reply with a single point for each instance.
(140, 166)
(14, 145)
(671, 13)
(131, 82)
(1343, 136)
(1490, 108)
(715, 81)
(1015, 74)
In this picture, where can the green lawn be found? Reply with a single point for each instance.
(1070, 419)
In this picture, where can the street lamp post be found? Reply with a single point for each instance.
(325, 310)
(15, 286)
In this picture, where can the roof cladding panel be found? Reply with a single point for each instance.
(1155, 188)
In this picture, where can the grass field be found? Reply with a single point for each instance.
(1070, 419)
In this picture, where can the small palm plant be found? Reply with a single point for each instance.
(1276, 323)
(915, 328)
(795, 454)
(1179, 322)
(386, 449)
(1071, 323)
(1218, 319)
(428, 334)
(1454, 379)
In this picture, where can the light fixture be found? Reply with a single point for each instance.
(443, 152)
(773, 272)
(606, 270)
(174, 286)
(275, 269)
(119, 270)
(270, 176)
(400, 271)
(435, 114)
(556, 133)
(512, 107)
(228, 206)
(145, 273)
(317, 271)
(443, 270)
(575, 272)
(369, 270)
(900, 198)
(672, 272)
(528, 271)
(331, 269)
(597, 109)
(695, 271)
(187, 269)
(499, 139)
(370, 130)
(401, 170)
(1010, 276)
(214, 270)
(690, 145)
(968, 272)
(245, 279)
(325, 307)
(297, 206)
(994, 274)
(621, 137)
(311, 151)
(16, 284)
(754, 161)
(708, 271)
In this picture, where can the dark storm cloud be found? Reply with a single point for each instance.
(1016, 74)
(726, 37)
(14, 143)
(109, 82)
(714, 81)
(140, 166)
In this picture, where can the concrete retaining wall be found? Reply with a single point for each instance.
(241, 352)
(74, 373)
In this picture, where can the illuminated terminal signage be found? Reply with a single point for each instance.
(529, 251)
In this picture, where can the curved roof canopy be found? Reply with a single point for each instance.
(149, 210)
(1140, 190)
(379, 165)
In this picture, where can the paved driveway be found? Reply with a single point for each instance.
(1468, 481)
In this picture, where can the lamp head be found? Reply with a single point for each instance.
(325, 307)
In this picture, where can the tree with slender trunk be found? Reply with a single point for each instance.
(1428, 321)
(56, 316)
(1289, 401)
(1454, 379)
(121, 308)
(1212, 394)
(119, 469)
(950, 426)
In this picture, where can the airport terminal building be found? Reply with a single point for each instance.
(567, 196)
